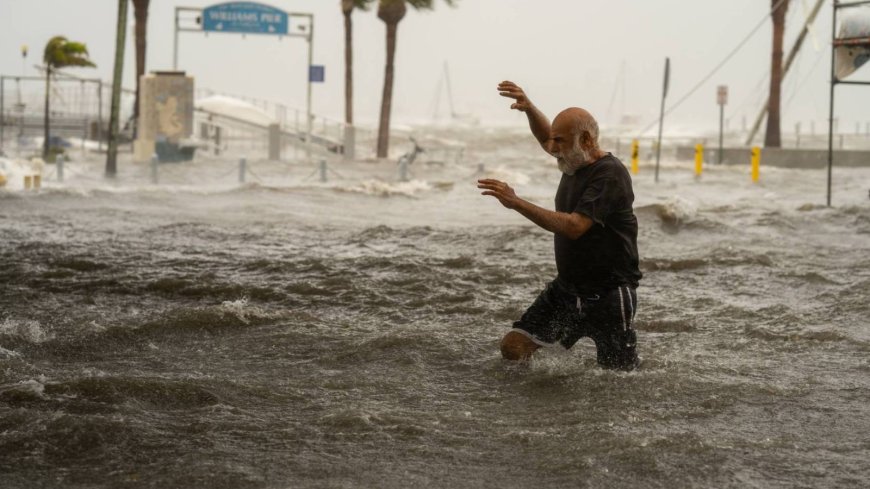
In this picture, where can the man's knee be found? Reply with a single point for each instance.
(516, 346)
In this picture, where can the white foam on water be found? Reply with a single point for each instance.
(96, 327)
(238, 308)
(510, 176)
(93, 372)
(4, 353)
(244, 311)
(380, 188)
(26, 329)
(556, 361)
(36, 386)
(678, 209)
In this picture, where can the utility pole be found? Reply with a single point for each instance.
(773, 135)
(788, 62)
(112, 155)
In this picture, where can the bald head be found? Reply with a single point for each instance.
(578, 123)
(574, 139)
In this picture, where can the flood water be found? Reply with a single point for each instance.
(288, 333)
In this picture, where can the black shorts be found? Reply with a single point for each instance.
(559, 317)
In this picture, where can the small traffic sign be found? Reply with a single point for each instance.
(722, 95)
(316, 73)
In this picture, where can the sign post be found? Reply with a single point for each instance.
(308, 95)
(249, 18)
(662, 114)
(722, 100)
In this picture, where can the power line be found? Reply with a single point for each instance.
(718, 67)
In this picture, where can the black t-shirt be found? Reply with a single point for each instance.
(605, 257)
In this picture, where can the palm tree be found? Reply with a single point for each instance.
(392, 12)
(772, 136)
(140, 11)
(60, 52)
(347, 7)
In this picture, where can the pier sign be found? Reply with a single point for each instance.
(246, 18)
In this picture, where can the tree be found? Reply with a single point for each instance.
(772, 137)
(140, 12)
(392, 12)
(60, 52)
(347, 7)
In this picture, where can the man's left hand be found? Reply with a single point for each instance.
(500, 190)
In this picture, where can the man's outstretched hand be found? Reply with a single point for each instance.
(510, 89)
(500, 190)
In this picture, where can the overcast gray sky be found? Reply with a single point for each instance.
(563, 52)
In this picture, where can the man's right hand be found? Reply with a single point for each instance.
(510, 89)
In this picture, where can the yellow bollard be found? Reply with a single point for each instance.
(756, 163)
(699, 159)
(37, 181)
(635, 151)
(28, 182)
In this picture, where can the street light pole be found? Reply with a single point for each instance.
(721, 99)
(721, 131)
(20, 101)
(175, 43)
(308, 95)
(23, 60)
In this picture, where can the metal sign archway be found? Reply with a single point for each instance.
(249, 18)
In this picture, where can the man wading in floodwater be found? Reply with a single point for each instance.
(595, 231)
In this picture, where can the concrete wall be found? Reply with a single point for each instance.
(780, 157)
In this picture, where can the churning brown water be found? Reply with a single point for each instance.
(295, 334)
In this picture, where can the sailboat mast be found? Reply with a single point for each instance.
(449, 91)
(436, 104)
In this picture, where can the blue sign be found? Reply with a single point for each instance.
(316, 73)
(245, 17)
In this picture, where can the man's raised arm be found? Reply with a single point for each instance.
(538, 122)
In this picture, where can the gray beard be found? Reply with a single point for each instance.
(569, 164)
(568, 168)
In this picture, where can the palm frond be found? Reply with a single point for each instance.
(75, 47)
(421, 4)
(53, 49)
(362, 4)
(427, 4)
(387, 3)
(61, 52)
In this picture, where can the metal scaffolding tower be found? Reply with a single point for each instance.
(862, 42)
